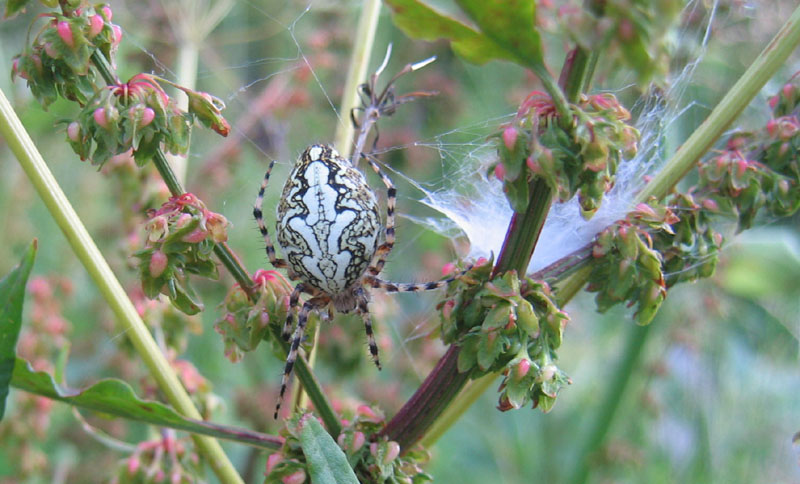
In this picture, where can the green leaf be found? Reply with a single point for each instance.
(507, 29)
(115, 397)
(511, 24)
(13, 7)
(12, 294)
(420, 21)
(327, 463)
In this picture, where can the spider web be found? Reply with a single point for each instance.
(463, 203)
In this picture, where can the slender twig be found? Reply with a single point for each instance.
(357, 71)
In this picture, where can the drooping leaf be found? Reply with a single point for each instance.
(115, 397)
(421, 21)
(327, 463)
(506, 29)
(510, 23)
(12, 294)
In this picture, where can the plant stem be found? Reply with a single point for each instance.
(615, 391)
(356, 73)
(738, 97)
(85, 249)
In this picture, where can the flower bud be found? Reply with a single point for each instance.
(510, 137)
(74, 131)
(133, 464)
(448, 269)
(521, 369)
(392, 451)
(100, 117)
(65, 32)
(298, 477)
(117, 35)
(158, 263)
(95, 25)
(106, 11)
(500, 171)
(272, 461)
(710, 204)
(194, 237)
(358, 440)
(367, 413)
(147, 117)
(217, 224)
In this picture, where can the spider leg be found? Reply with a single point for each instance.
(297, 337)
(259, 216)
(387, 286)
(379, 259)
(294, 298)
(363, 310)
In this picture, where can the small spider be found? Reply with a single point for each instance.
(328, 227)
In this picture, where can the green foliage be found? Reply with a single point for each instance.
(327, 464)
(12, 295)
(353, 457)
(115, 397)
(506, 29)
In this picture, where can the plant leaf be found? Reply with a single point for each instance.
(13, 7)
(421, 21)
(511, 24)
(327, 463)
(12, 294)
(115, 397)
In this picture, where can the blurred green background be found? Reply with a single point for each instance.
(712, 396)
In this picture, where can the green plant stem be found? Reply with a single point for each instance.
(87, 252)
(615, 392)
(356, 74)
(738, 97)
(313, 388)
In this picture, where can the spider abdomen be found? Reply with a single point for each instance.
(328, 223)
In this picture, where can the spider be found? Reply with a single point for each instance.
(328, 227)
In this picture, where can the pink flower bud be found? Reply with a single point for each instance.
(788, 90)
(367, 412)
(106, 11)
(133, 464)
(147, 117)
(117, 35)
(373, 449)
(183, 219)
(158, 263)
(272, 461)
(646, 210)
(50, 50)
(773, 101)
(65, 32)
(500, 171)
(772, 127)
(100, 117)
(510, 137)
(448, 269)
(95, 25)
(522, 368)
(710, 204)
(298, 477)
(447, 309)
(358, 440)
(74, 131)
(533, 166)
(194, 237)
(392, 451)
